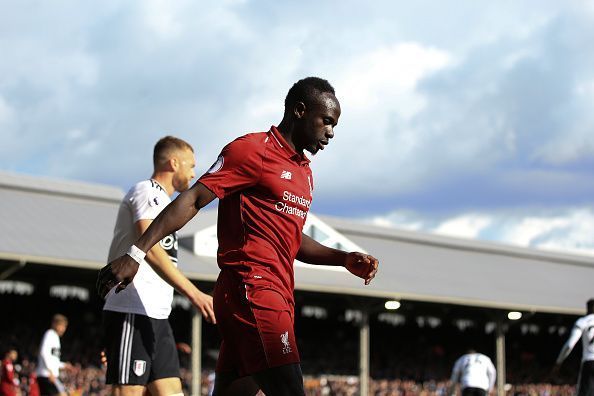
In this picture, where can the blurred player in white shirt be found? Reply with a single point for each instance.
(48, 362)
(584, 329)
(475, 373)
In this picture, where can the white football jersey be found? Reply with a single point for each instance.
(584, 328)
(586, 325)
(48, 361)
(148, 294)
(474, 370)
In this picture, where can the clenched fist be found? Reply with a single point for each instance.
(119, 272)
(362, 265)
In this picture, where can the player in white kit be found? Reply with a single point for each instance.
(140, 349)
(48, 362)
(584, 329)
(475, 373)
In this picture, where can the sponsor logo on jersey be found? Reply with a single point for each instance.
(286, 175)
(285, 340)
(154, 201)
(283, 206)
(169, 242)
(170, 245)
(139, 367)
(217, 166)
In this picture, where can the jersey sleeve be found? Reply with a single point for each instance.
(581, 323)
(456, 371)
(574, 336)
(491, 373)
(146, 202)
(239, 166)
(45, 350)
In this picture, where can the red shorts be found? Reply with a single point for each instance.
(256, 323)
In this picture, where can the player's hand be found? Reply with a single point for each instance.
(184, 348)
(52, 378)
(362, 265)
(103, 358)
(203, 302)
(119, 272)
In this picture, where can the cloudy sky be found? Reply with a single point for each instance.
(466, 118)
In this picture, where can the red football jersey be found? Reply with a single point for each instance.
(265, 190)
(8, 385)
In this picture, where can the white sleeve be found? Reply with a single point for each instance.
(575, 335)
(491, 373)
(456, 371)
(146, 202)
(45, 351)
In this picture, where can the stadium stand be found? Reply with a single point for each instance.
(54, 236)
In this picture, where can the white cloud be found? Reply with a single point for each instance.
(401, 219)
(6, 112)
(466, 226)
(525, 231)
(163, 17)
(567, 230)
(495, 109)
(386, 77)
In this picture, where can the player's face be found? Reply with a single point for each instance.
(61, 328)
(318, 122)
(185, 170)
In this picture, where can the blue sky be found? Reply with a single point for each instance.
(466, 118)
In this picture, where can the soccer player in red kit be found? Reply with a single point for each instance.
(265, 188)
(9, 382)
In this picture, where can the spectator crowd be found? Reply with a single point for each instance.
(410, 355)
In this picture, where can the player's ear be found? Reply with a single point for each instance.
(174, 163)
(299, 109)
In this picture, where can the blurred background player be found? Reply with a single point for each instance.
(584, 328)
(475, 373)
(141, 352)
(48, 361)
(9, 382)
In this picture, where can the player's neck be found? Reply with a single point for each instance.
(286, 130)
(165, 180)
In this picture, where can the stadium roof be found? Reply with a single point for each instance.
(70, 224)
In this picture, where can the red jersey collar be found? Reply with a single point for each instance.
(282, 143)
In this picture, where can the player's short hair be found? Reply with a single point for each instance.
(590, 305)
(9, 349)
(166, 146)
(59, 319)
(307, 91)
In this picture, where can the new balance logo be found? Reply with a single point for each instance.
(286, 175)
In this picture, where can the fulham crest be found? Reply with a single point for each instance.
(139, 367)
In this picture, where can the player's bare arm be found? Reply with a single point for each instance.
(160, 262)
(360, 264)
(121, 271)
